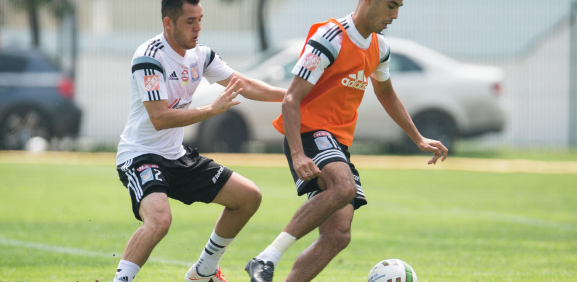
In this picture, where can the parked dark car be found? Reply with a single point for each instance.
(36, 99)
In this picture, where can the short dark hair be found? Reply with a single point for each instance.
(173, 8)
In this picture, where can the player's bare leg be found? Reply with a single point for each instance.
(155, 213)
(339, 190)
(334, 236)
(156, 216)
(241, 199)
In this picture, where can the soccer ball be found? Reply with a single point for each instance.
(392, 270)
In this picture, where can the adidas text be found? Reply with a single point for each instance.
(357, 81)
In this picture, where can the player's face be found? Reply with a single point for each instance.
(382, 13)
(187, 26)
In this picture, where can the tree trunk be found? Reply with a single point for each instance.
(34, 25)
(261, 15)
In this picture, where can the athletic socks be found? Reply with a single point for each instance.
(126, 271)
(270, 254)
(274, 251)
(210, 257)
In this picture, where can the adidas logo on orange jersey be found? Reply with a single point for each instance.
(357, 81)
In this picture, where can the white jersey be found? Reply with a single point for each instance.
(159, 73)
(331, 37)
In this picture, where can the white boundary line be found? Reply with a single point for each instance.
(519, 219)
(480, 214)
(80, 252)
(494, 216)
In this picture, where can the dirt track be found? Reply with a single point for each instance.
(270, 160)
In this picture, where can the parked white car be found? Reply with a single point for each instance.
(446, 99)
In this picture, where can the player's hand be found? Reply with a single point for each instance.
(305, 168)
(430, 145)
(225, 100)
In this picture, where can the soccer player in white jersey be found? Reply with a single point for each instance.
(151, 161)
(319, 115)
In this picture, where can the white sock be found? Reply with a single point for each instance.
(210, 257)
(126, 271)
(279, 246)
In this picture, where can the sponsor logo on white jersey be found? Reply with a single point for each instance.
(184, 77)
(311, 62)
(173, 76)
(151, 83)
(194, 72)
(177, 105)
(356, 80)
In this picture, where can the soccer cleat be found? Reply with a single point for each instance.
(193, 275)
(218, 277)
(259, 271)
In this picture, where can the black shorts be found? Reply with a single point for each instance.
(323, 148)
(191, 178)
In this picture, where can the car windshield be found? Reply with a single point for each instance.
(258, 59)
(435, 56)
(25, 62)
(401, 63)
(12, 63)
(39, 64)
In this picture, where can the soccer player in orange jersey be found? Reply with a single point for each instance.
(319, 115)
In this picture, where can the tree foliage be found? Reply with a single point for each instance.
(58, 8)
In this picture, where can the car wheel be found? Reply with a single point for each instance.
(226, 133)
(433, 125)
(20, 125)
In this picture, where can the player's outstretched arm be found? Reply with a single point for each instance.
(305, 168)
(257, 90)
(394, 107)
(164, 117)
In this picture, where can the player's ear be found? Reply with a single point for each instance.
(366, 3)
(167, 22)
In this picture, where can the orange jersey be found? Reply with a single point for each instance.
(333, 102)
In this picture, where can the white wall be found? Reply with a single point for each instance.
(537, 91)
(537, 78)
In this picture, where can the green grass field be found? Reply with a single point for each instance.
(71, 223)
(538, 154)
